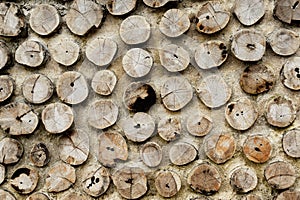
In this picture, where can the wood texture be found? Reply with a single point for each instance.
(182, 153)
(120, 7)
(18, 119)
(40, 155)
(199, 124)
(72, 88)
(169, 128)
(37, 88)
(151, 154)
(83, 15)
(44, 19)
(103, 114)
(112, 148)
(287, 11)
(135, 30)
(244, 179)
(290, 143)
(257, 148)
(211, 54)
(167, 183)
(249, 12)
(176, 93)
(139, 127)
(57, 117)
(6, 87)
(290, 74)
(174, 23)
(205, 179)
(137, 62)
(211, 18)
(104, 82)
(131, 182)
(213, 91)
(24, 180)
(11, 151)
(248, 45)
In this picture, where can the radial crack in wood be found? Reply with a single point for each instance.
(112, 148)
(104, 82)
(248, 45)
(257, 148)
(176, 93)
(15, 25)
(249, 12)
(211, 54)
(57, 117)
(83, 15)
(18, 119)
(198, 124)
(120, 7)
(44, 19)
(101, 51)
(290, 73)
(11, 151)
(287, 11)
(151, 154)
(103, 114)
(6, 87)
(182, 153)
(174, 23)
(211, 19)
(167, 183)
(72, 87)
(37, 88)
(131, 182)
(169, 128)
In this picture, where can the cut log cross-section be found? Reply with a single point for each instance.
(83, 15)
(249, 12)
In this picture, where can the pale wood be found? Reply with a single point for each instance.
(280, 111)
(11, 151)
(104, 82)
(257, 148)
(60, 177)
(15, 25)
(72, 88)
(5, 55)
(40, 155)
(134, 30)
(174, 23)
(131, 182)
(101, 51)
(112, 148)
(74, 147)
(169, 128)
(18, 119)
(211, 54)
(37, 88)
(2, 173)
(243, 179)
(31, 53)
(44, 19)
(280, 175)
(120, 7)
(6, 195)
(57, 117)
(103, 114)
(6, 87)
(284, 42)
(257, 78)
(24, 180)
(249, 12)
(176, 93)
(137, 62)
(96, 180)
(241, 114)
(252, 197)
(38, 196)
(214, 91)
(139, 97)
(64, 51)
(182, 153)
(167, 183)
(199, 124)
(83, 15)
(157, 3)
(290, 73)
(287, 11)
(248, 45)
(201, 198)
(74, 196)
(174, 58)
(219, 147)
(151, 154)
(211, 19)
(205, 179)
(291, 143)
(289, 195)
(139, 127)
